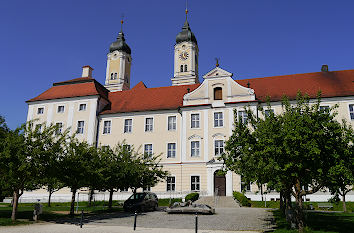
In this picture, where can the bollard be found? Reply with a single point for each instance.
(135, 215)
(196, 222)
(82, 218)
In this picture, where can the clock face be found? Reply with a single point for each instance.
(183, 55)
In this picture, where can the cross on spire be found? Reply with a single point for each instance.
(217, 62)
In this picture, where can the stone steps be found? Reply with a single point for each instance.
(221, 202)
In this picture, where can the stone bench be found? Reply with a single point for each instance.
(325, 205)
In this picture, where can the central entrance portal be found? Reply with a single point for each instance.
(219, 183)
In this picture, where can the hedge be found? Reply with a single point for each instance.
(242, 199)
(192, 196)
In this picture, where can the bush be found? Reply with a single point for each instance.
(242, 199)
(192, 197)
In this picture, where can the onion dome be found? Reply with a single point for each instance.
(120, 44)
(186, 34)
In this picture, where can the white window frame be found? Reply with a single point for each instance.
(104, 127)
(84, 109)
(60, 129)
(350, 113)
(175, 150)
(152, 149)
(195, 183)
(152, 125)
(40, 113)
(80, 130)
(191, 120)
(267, 110)
(131, 126)
(170, 184)
(59, 106)
(197, 149)
(175, 123)
(242, 119)
(219, 120)
(215, 148)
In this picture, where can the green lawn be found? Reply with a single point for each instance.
(275, 204)
(319, 222)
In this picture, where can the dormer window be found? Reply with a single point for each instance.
(181, 68)
(217, 93)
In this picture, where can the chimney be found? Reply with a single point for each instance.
(87, 72)
(324, 68)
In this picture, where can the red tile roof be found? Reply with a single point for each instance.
(140, 98)
(73, 88)
(331, 84)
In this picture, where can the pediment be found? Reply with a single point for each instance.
(217, 72)
(194, 136)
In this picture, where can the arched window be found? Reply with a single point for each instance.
(185, 68)
(181, 68)
(217, 93)
(115, 75)
(111, 76)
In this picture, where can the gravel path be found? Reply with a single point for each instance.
(225, 220)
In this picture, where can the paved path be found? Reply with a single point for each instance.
(225, 220)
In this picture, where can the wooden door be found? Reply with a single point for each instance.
(219, 185)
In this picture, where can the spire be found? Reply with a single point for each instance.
(186, 34)
(120, 44)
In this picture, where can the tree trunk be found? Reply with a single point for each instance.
(110, 199)
(299, 208)
(72, 206)
(50, 190)
(344, 205)
(15, 198)
(91, 197)
(282, 204)
(262, 191)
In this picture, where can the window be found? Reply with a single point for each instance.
(195, 120)
(128, 125)
(115, 75)
(185, 68)
(217, 93)
(245, 186)
(106, 127)
(127, 147)
(148, 149)
(111, 76)
(38, 127)
(195, 183)
(218, 119)
(40, 110)
(219, 147)
(148, 188)
(171, 150)
(80, 127)
(82, 107)
(61, 108)
(181, 68)
(149, 124)
(322, 108)
(242, 116)
(268, 112)
(171, 123)
(171, 183)
(195, 148)
(59, 128)
(351, 111)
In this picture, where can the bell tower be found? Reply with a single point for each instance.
(118, 64)
(185, 57)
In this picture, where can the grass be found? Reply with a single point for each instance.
(166, 202)
(275, 204)
(319, 222)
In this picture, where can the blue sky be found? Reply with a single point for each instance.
(42, 42)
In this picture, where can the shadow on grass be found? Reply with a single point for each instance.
(319, 222)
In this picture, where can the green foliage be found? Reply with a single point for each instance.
(166, 201)
(192, 197)
(242, 199)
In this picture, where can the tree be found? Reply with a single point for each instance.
(75, 163)
(25, 155)
(3, 134)
(341, 174)
(294, 149)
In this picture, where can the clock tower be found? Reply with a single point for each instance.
(118, 65)
(186, 57)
